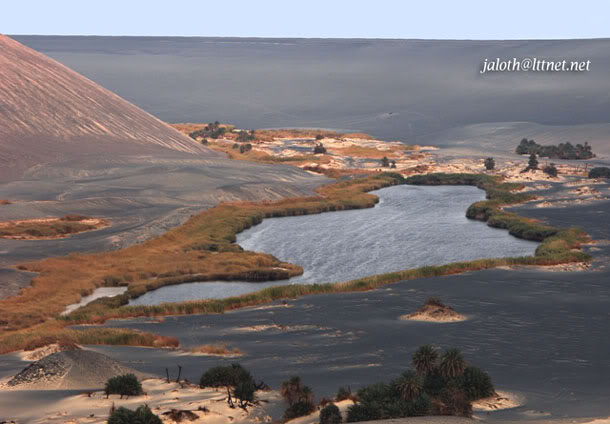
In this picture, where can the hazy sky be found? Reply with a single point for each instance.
(450, 19)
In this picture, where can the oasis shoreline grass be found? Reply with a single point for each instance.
(203, 249)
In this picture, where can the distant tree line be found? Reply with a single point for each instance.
(211, 130)
(560, 151)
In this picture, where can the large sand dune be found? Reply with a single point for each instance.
(68, 145)
(49, 112)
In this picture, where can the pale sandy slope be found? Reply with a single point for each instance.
(48, 111)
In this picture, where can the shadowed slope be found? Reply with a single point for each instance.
(49, 112)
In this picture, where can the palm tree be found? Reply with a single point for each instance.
(452, 363)
(409, 386)
(424, 359)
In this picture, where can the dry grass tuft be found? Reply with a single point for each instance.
(218, 349)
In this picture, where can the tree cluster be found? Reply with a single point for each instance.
(438, 385)
(238, 382)
(211, 130)
(560, 151)
(298, 397)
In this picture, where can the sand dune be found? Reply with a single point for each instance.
(49, 112)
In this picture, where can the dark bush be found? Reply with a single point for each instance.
(319, 149)
(362, 412)
(599, 172)
(385, 162)
(490, 164)
(299, 409)
(123, 385)
(224, 376)
(299, 398)
(244, 392)
(434, 383)
(330, 414)
(551, 170)
(476, 383)
(455, 402)
(343, 394)
(142, 415)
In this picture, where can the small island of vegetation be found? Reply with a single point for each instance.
(434, 311)
(49, 228)
(566, 151)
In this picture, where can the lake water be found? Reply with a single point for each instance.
(412, 226)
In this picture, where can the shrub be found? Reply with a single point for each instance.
(142, 415)
(244, 392)
(330, 414)
(123, 385)
(381, 401)
(600, 172)
(225, 376)
(343, 394)
(299, 409)
(476, 383)
(299, 398)
(319, 149)
(434, 383)
(362, 412)
(455, 402)
(490, 164)
(385, 162)
(319, 137)
(551, 170)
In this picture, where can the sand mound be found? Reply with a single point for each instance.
(434, 311)
(73, 369)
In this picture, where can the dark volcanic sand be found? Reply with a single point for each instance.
(141, 196)
(539, 333)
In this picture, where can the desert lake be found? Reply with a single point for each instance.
(410, 227)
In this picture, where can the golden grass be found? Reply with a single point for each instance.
(219, 349)
(262, 157)
(272, 134)
(50, 228)
(558, 246)
(202, 249)
(54, 332)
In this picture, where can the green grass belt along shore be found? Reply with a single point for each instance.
(204, 249)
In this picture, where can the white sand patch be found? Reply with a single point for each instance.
(501, 400)
(97, 294)
(208, 405)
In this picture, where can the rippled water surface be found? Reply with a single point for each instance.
(410, 227)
